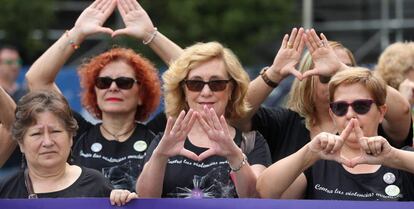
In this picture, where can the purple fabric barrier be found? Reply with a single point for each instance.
(103, 203)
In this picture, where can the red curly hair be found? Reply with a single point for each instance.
(145, 72)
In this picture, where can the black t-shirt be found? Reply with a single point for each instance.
(286, 132)
(120, 162)
(89, 184)
(158, 123)
(328, 180)
(210, 178)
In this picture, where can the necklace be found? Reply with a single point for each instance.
(116, 136)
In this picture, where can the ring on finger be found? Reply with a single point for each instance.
(321, 44)
(290, 45)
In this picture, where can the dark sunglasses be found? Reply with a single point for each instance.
(10, 62)
(214, 85)
(121, 82)
(360, 106)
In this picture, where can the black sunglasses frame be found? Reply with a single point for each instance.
(214, 85)
(121, 82)
(360, 106)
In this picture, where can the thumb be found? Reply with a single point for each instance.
(356, 161)
(206, 154)
(105, 30)
(310, 73)
(296, 73)
(344, 161)
(188, 154)
(119, 32)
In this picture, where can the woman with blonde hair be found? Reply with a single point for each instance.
(396, 66)
(204, 90)
(289, 129)
(358, 164)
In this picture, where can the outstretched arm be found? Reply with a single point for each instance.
(376, 150)
(397, 120)
(287, 173)
(43, 72)
(7, 145)
(139, 25)
(284, 64)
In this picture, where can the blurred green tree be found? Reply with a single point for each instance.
(19, 19)
(251, 28)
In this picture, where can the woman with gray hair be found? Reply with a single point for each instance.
(44, 128)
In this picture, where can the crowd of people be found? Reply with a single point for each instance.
(346, 132)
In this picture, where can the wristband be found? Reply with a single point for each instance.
(243, 162)
(153, 34)
(266, 79)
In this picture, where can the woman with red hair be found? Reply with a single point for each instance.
(119, 87)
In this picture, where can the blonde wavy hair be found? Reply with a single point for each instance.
(301, 95)
(194, 56)
(394, 62)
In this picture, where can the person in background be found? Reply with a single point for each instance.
(10, 64)
(358, 164)
(396, 66)
(204, 90)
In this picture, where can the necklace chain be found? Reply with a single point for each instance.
(116, 136)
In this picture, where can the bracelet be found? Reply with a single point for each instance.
(243, 162)
(71, 42)
(266, 79)
(153, 34)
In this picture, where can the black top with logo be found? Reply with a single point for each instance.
(120, 162)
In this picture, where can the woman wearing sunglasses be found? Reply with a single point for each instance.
(119, 87)
(355, 165)
(198, 155)
(289, 129)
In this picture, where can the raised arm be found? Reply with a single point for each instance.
(284, 64)
(150, 182)
(139, 25)
(222, 144)
(377, 151)
(285, 178)
(397, 120)
(43, 72)
(7, 145)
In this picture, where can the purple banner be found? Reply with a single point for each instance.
(103, 203)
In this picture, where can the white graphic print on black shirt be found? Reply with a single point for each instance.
(328, 180)
(120, 162)
(210, 178)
